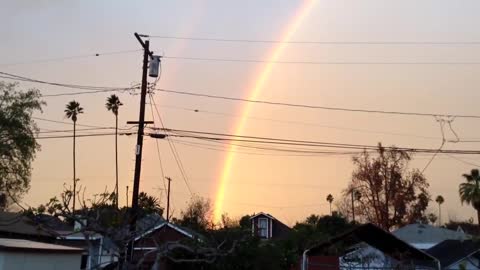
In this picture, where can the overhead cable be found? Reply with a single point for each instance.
(306, 106)
(331, 42)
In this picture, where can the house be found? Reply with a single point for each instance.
(455, 254)
(99, 251)
(19, 226)
(424, 236)
(102, 251)
(20, 254)
(266, 226)
(153, 234)
(366, 247)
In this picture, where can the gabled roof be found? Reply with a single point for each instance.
(263, 214)
(151, 223)
(379, 239)
(452, 251)
(170, 225)
(424, 233)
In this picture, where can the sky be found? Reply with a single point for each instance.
(288, 187)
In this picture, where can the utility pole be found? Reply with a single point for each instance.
(139, 146)
(127, 196)
(353, 207)
(168, 199)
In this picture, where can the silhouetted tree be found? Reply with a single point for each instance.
(113, 104)
(149, 204)
(330, 200)
(17, 140)
(196, 215)
(72, 111)
(440, 201)
(312, 219)
(389, 193)
(245, 222)
(470, 191)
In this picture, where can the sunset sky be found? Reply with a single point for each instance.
(70, 33)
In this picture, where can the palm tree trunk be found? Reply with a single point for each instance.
(116, 161)
(439, 215)
(478, 216)
(330, 209)
(74, 172)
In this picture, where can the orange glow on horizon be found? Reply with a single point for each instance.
(254, 92)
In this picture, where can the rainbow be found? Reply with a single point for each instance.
(254, 92)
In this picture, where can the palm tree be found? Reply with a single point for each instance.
(470, 191)
(439, 200)
(72, 110)
(149, 204)
(113, 104)
(330, 200)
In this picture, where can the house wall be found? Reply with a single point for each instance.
(39, 261)
(93, 250)
(255, 226)
(368, 257)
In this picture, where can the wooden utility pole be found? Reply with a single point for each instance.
(139, 147)
(127, 196)
(168, 199)
(353, 207)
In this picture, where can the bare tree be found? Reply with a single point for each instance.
(390, 194)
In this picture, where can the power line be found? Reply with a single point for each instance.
(69, 130)
(80, 93)
(67, 123)
(172, 148)
(212, 136)
(306, 106)
(299, 123)
(47, 131)
(89, 89)
(305, 151)
(372, 42)
(256, 61)
(441, 122)
(11, 76)
(61, 59)
(463, 161)
(257, 153)
(158, 150)
(84, 135)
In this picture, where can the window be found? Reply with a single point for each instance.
(263, 227)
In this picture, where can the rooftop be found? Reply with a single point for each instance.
(452, 251)
(17, 223)
(22, 245)
(424, 233)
